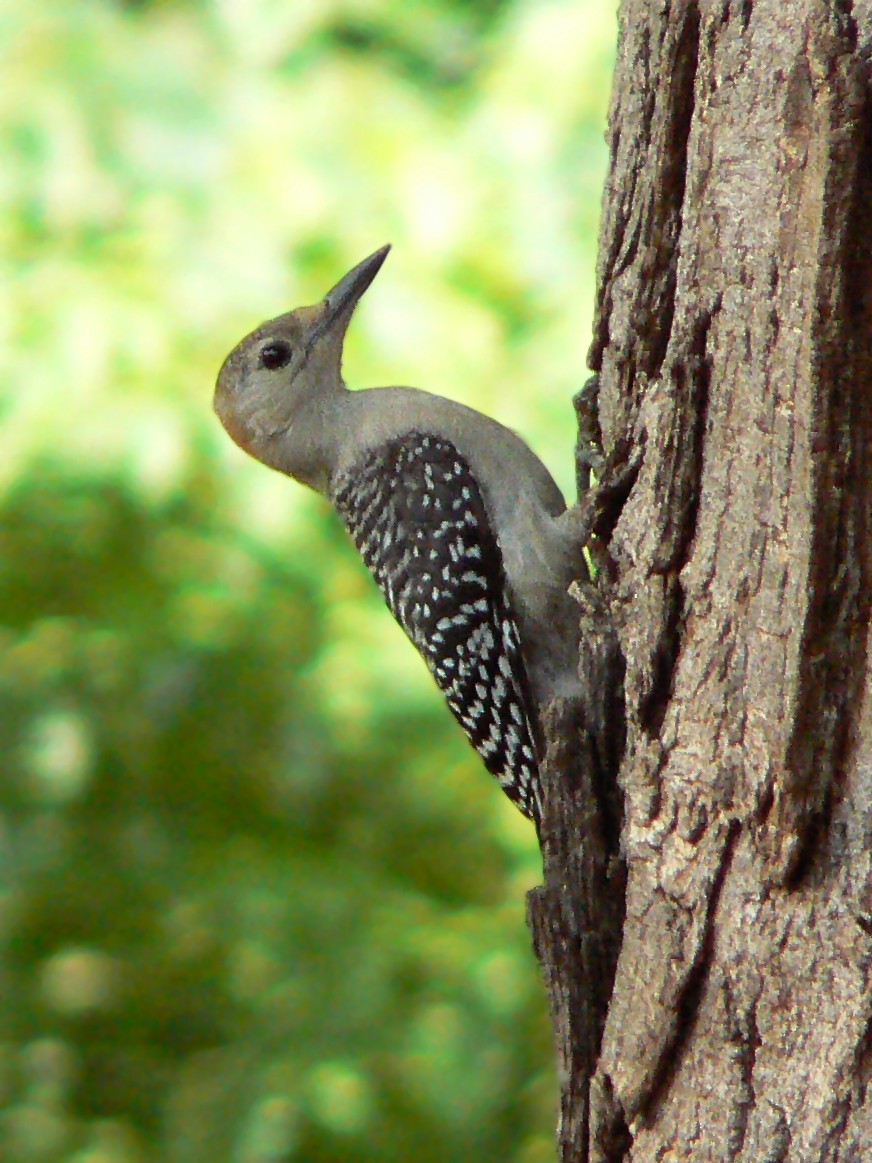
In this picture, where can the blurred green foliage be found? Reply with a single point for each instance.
(258, 900)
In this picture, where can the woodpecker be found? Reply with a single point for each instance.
(461, 525)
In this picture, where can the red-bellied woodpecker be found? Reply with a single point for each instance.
(458, 521)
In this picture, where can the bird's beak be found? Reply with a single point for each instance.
(344, 297)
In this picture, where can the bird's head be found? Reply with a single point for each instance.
(288, 361)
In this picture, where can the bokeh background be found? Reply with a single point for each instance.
(259, 901)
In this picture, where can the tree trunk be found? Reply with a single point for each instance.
(732, 346)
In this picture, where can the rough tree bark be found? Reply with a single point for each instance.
(733, 346)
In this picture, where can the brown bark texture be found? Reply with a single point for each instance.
(720, 1006)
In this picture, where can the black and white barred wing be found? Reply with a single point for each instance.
(417, 517)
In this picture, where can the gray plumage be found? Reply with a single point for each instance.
(461, 525)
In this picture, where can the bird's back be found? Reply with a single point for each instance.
(416, 514)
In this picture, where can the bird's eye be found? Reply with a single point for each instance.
(275, 354)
